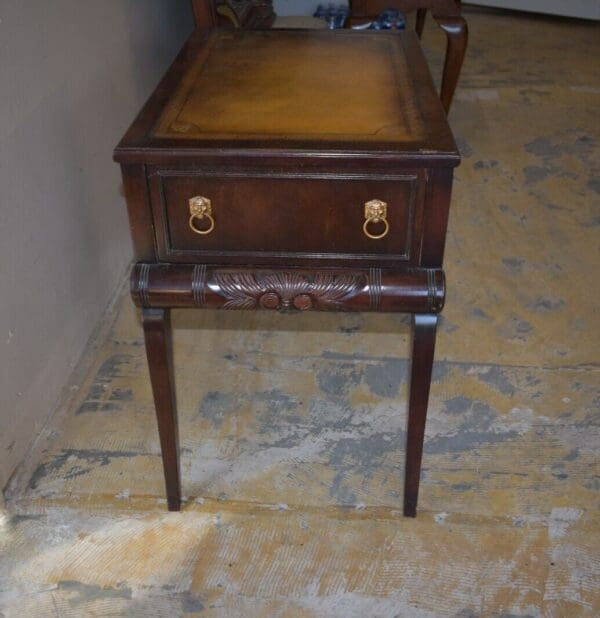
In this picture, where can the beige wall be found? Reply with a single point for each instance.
(72, 75)
(588, 9)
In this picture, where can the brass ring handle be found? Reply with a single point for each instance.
(376, 236)
(208, 230)
(200, 208)
(376, 212)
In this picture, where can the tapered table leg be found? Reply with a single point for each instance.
(457, 34)
(157, 333)
(423, 347)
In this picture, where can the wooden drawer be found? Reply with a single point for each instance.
(259, 215)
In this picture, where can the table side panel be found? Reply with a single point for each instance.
(141, 220)
(436, 211)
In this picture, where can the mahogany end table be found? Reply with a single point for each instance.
(290, 171)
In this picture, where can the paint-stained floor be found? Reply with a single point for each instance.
(292, 427)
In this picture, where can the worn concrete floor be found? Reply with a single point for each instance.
(293, 426)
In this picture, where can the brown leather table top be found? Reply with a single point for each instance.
(293, 84)
(297, 90)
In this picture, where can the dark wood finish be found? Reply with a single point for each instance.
(423, 348)
(204, 14)
(141, 223)
(457, 34)
(437, 206)
(447, 14)
(414, 290)
(157, 335)
(264, 125)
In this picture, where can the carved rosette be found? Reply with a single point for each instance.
(286, 290)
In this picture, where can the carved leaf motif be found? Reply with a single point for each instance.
(241, 290)
(244, 290)
(333, 289)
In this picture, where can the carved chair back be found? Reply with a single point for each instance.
(247, 14)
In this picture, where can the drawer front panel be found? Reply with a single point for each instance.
(306, 216)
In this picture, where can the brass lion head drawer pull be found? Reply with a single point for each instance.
(201, 208)
(376, 213)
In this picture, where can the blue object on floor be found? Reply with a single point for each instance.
(334, 15)
(390, 19)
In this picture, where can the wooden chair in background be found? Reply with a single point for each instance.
(246, 14)
(447, 13)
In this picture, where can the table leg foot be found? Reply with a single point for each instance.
(423, 347)
(157, 334)
(457, 34)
